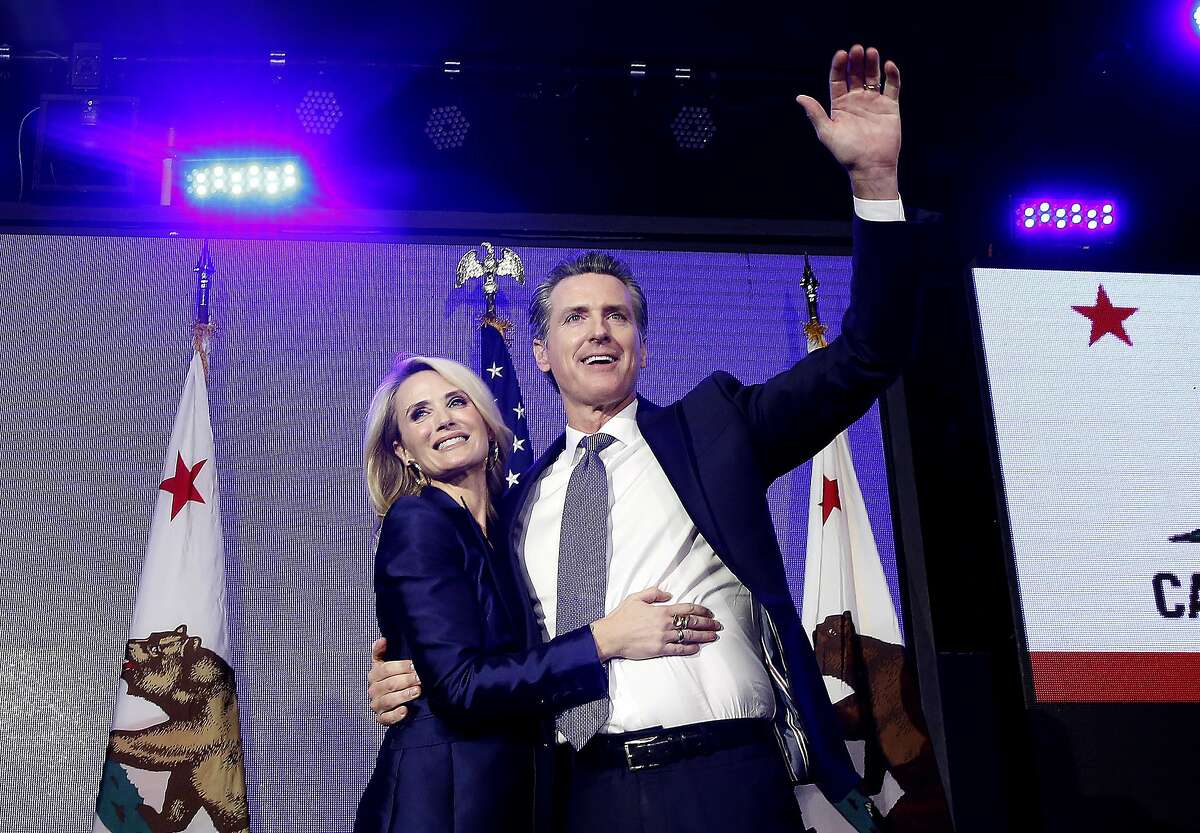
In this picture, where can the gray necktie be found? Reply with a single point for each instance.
(583, 570)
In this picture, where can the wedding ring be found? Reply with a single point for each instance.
(875, 87)
(679, 636)
(680, 620)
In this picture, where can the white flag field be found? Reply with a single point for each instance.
(1094, 381)
(848, 613)
(174, 759)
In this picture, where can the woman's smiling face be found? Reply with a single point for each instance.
(440, 427)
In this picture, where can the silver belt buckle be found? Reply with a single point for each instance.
(631, 746)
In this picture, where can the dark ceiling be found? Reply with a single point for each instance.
(998, 99)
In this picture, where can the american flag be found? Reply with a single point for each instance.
(497, 370)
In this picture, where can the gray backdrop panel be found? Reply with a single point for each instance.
(94, 345)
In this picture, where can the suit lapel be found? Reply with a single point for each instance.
(672, 447)
(494, 557)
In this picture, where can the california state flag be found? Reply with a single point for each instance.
(848, 613)
(174, 759)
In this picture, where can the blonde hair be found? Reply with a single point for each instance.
(387, 476)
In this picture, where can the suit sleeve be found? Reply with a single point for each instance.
(423, 592)
(795, 414)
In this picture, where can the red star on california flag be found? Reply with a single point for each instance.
(1106, 318)
(183, 485)
(829, 498)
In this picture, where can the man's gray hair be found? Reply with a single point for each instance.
(599, 263)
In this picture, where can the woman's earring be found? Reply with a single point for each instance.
(493, 454)
(415, 468)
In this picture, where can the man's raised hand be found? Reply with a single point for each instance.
(862, 128)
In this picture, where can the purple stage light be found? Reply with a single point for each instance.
(1056, 218)
(258, 182)
(1177, 24)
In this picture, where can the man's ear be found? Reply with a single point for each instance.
(541, 356)
(645, 351)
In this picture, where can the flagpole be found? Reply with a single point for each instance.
(814, 329)
(202, 326)
(495, 359)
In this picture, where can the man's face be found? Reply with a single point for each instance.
(592, 346)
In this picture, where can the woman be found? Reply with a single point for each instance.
(448, 595)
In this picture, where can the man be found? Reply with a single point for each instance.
(688, 744)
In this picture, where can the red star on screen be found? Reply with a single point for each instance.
(1106, 318)
(829, 498)
(183, 485)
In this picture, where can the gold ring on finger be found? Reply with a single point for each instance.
(874, 87)
(680, 620)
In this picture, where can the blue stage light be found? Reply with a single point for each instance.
(263, 182)
(1055, 218)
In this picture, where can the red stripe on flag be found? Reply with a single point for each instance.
(1115, 677)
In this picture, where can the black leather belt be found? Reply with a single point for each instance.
(651, 748)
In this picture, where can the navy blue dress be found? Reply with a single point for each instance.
(464, 759)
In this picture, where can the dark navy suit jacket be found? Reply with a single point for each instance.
(724, 443)
(448, 600)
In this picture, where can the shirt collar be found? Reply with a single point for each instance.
(623, 426)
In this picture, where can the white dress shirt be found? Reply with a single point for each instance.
(654, 543)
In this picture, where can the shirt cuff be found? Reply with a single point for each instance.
(879, 211)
